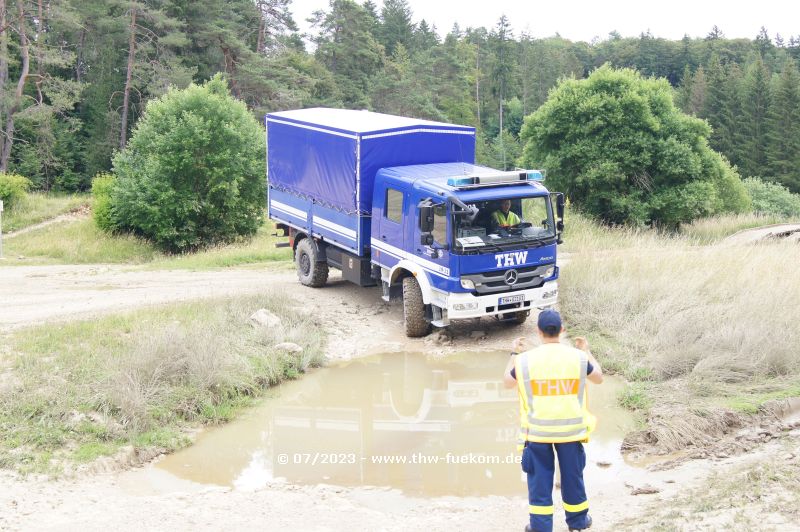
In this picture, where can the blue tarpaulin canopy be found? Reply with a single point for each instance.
(331, 156)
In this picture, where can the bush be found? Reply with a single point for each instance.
(619, 148)
(102, 185)
(193, 173)
(772, 198)
(13, 188)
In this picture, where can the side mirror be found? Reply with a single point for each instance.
(559, 196)
(426, 239)
(425, 218)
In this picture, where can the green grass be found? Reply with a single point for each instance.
(261, 248)
(77, 242)
(38, 207)
(81, 242)
(752, 400)
(77, 391)
(635, 396)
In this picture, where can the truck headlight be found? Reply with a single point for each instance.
(549, 272)
(466, 283)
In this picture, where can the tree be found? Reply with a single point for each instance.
(503, 68)
(396, 26)
(619, 148)
(693, 91)
(425, 37)
(755, 105)
(193, 172)
(20, 25)
(348, 49)
(783, 127)
(150, 33)
(718, 108)
(400, 89)
(772, 198)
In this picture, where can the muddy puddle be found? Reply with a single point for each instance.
(425, 426)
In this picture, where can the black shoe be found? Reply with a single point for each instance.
(588, 525)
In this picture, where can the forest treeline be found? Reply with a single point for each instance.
(76, 76)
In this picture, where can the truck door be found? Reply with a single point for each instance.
(390, 232)
(436, 256)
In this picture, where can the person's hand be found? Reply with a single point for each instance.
(519, 345)
(581, 343)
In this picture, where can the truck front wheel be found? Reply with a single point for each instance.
(309, 271)
(414, 309)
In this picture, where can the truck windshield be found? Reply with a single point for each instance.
(513, 222)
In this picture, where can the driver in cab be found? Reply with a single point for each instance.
(504, 217)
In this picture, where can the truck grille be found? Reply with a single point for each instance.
(495, 282)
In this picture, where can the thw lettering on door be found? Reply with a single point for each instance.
(504, 260)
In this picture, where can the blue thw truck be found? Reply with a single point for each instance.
(398, 202)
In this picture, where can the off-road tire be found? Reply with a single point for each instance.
(414, 309)
(309, 271)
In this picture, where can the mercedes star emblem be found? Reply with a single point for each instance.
(511, 277)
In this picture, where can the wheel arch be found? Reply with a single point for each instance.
(406, 268)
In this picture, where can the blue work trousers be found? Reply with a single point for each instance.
(539, 463)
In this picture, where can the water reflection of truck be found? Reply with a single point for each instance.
(398, 202)
(404, 408)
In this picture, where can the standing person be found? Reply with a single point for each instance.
(551, 381)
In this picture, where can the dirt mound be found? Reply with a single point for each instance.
(683, 433)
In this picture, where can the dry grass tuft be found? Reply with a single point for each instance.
(715, 228)
(721, 314)
(704, 331)
(80, 390)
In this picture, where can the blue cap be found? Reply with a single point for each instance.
(549, 322)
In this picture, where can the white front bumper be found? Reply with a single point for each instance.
(465, 305)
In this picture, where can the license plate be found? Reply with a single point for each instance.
(511, 299)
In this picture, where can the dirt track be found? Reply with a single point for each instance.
(359, 324)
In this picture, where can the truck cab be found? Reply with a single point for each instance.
(445, 230)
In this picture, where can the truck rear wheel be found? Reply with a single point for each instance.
(309, 271)
(414, 309)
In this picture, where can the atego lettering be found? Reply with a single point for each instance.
(505, 260)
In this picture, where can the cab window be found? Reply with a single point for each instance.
(440, 224)
(394, 205)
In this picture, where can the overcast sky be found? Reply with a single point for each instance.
(585, 19)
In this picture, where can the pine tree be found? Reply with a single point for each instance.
(734, 83)
(503, 69)
(717, 108)
(425, 37)
(755, 105)
(697, 98)
(348, 49)
(396, 26)
(783, 127)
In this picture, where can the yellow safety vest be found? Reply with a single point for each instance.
(551, 382)
(506, 219)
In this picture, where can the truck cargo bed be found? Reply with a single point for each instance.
(321, 165)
